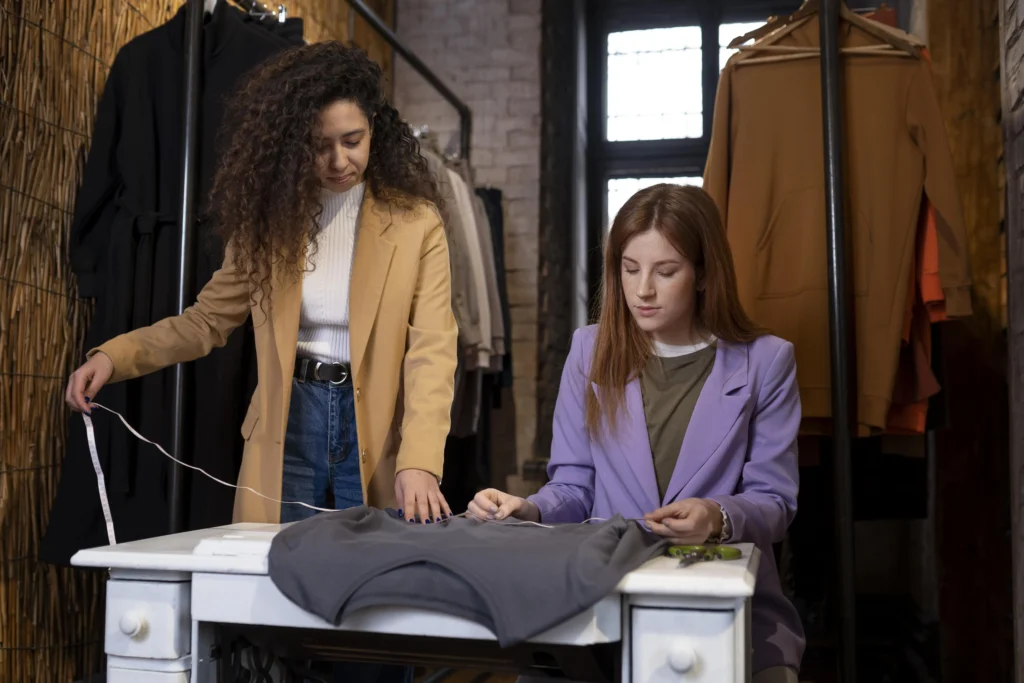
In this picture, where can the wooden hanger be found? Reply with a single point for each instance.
(894, 43)
(887, 35)
(792, 21)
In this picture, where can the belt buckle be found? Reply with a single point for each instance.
(344, 375)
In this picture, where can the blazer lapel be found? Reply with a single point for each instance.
(369, 273)
(286, 303)
(634, 445)
(718, 407)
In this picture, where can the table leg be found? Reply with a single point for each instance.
(204, 652)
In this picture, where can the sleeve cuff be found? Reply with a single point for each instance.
(958, 301)
(402, 464)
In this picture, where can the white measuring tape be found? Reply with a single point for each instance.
(101, 482)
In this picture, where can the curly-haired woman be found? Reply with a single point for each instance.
(336, 248)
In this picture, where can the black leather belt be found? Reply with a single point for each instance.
(308, 370)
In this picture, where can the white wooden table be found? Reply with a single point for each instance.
(171, 599)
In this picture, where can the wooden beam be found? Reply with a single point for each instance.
(1011, 24)
(974, 453)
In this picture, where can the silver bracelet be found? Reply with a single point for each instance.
(726, 526)
(726, 529)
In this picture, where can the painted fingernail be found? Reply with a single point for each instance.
(401, 513)
(429, 521)
(87, 399)
(411, 520)
(438, 519)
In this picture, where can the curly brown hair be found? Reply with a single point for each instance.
(266, 195)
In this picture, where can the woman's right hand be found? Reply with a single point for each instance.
(87, 381)
(492, 504)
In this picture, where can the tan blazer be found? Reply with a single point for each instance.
(403, 349)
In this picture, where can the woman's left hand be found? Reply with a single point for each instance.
(419, 497)
(687, 522)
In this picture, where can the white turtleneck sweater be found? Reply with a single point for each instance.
(323, 320)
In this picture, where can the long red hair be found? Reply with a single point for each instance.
(688, 218)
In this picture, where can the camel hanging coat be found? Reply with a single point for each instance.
(765, 171)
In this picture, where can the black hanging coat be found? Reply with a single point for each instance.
(124, 252)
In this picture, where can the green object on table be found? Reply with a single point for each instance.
(689, 554)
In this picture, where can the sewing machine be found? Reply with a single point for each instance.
(192, 606)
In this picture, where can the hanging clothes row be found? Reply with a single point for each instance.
(124, 253)
(905, 230)
(474, 219)
(483, 378)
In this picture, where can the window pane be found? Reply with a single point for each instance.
(726, 32)
(654, 84)
(621, 189)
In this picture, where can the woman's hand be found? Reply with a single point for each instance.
(493, 504)
(87, 381)
(419, 497)
(687, 522)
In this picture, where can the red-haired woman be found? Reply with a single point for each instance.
(676, 408)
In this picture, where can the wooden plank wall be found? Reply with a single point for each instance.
(964, 41)
(974, 555)
(54, 60)
(1012, 55)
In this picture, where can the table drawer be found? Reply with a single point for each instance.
(148, 619)
(134, 676)
(677, 645)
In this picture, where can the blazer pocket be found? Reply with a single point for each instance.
(252, 416)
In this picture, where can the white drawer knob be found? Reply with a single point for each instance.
(132, 624)
(681, 658)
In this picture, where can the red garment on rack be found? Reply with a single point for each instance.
(915, 381)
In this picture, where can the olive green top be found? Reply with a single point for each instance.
(671, 385)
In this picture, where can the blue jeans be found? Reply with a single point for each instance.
(321, 468)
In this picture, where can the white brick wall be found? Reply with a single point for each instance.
(488, 51)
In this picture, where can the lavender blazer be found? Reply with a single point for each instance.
(739, 450)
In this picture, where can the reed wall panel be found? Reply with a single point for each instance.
(53, 63)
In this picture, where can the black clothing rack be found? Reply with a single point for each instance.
(186, 235)
(840, 335)
(186, 222)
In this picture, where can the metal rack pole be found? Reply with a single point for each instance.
(186, 230)
(839, 307)
(465, 116)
